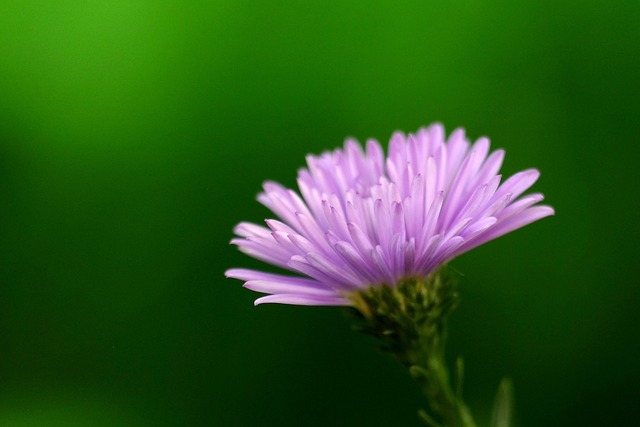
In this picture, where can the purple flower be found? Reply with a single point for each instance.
(364, 220)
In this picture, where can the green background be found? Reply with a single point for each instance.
(135, 134)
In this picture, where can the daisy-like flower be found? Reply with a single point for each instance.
(364, 220)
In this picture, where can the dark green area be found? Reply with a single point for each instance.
(135, 134)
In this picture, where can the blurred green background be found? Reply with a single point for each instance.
(134, 135)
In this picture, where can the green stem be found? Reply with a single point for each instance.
(433, 378)
(409, 321)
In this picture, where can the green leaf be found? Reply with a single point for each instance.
(427, 419)
(503, 405)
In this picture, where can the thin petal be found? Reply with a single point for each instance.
(517, 221)
(298, 299)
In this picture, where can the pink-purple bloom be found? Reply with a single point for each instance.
(362, 219)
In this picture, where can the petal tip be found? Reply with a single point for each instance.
(548, 210)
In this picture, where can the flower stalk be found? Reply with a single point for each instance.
(409, 322)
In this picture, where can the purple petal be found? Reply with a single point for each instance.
(276, 283)
(362, 219)
(298, 299)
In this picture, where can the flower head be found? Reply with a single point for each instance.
(362, 219)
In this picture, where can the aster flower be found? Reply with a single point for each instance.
(363, 220)
(374, 232)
